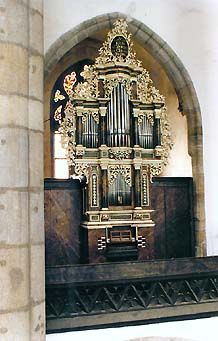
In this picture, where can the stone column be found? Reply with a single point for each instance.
(22, 316)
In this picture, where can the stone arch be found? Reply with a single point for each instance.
(181, 81)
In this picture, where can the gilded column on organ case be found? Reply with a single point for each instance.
(104, 199)
(137, 191)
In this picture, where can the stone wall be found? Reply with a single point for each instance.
(22, 315)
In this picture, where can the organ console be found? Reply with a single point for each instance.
(117, 136)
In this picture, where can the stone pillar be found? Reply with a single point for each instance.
(22, 316)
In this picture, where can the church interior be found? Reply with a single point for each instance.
(108, 173)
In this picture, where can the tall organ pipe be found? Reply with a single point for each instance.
(118, 118)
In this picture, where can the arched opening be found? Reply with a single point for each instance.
(85, 40)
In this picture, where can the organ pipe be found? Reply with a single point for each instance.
(145, 133)
(119, 192)
(90, 133)
(118, 118)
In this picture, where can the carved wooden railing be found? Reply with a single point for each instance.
(111, 294)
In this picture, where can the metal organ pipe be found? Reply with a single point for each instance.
(123, 117)
(119, 113)
(118, 118)
(146, 134)
(127, 121)
(90, 133)
(115, 118)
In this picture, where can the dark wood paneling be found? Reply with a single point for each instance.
(131, 271)
(62, 220)
(158, 204)
(99, 295)
(172, 201)
(147, 252)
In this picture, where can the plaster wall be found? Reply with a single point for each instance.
(189, 28)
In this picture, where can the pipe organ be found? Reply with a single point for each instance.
(117, 136)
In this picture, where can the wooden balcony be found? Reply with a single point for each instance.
(130, 293)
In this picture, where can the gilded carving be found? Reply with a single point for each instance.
(156, 169)
(80, 152)
(119, 154)
(166, 138)
(82, 169)
(67, 130)
(94, 113)
(146, 91)
(89, 88)
(58, 96)
(106, 54)
(125, 171)
(110, 84)
(138, 216)
(105, 217)
(114, 53)
(146, 113)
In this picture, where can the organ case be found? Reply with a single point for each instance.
(117, 137)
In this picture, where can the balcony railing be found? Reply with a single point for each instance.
(115, 294)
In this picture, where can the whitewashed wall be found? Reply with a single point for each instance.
(190, 28)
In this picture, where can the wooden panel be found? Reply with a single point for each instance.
(158, 204)
(171, 199)
(115, 294)
(147, 252)
(62, 220)
(94, 255)
(178, 227)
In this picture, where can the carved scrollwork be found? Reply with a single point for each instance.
(147, 113)
(149, 102)
(156, 169)
(110, 84)
(82, 169)
(138, 216)
(166, 138)
(150, 116)
(119, 154)
(67, 130)
(107, 56)
(105, 217)
(125, 171)
(88, 89)
(94, 113)
(147, 93)
(80, 152)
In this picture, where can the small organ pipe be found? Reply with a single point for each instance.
(145, 134)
